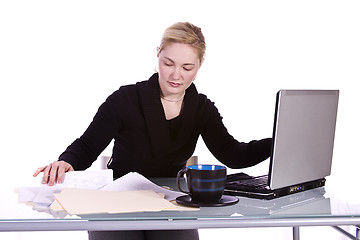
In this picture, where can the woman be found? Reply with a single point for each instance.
(156, 124)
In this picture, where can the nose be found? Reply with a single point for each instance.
(176, 74)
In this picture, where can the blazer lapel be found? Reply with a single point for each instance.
(188, 120)
(158, 132)
(154, 116)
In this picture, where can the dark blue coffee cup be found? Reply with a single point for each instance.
(205, 183)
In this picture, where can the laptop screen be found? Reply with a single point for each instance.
(303, 136)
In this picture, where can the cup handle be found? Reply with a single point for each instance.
(179, 175)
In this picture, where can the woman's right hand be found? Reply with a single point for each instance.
(54, 172)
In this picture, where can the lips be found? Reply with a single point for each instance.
(174, 84)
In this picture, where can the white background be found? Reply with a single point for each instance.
(59, 60)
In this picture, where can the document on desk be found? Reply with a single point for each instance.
(43, 196)
(91, 179)
(87, 201)
(130, 193)
(86, 192)
(135, 181)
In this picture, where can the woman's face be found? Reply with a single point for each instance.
(178, 66)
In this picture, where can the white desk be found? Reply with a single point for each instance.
(310, 208)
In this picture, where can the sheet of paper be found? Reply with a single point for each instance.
(91, 179)
(87, 201)
(183, 208)
(43, 196)
(27, 194)
(56, 206)
(135, 181)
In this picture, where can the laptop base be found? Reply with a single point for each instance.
(268, 194)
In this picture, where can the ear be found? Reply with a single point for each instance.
(158, 51)
(202, 62)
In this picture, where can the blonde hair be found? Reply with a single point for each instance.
(185, 32)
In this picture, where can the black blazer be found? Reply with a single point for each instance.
(134, 117)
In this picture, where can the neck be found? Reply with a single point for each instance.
(175, 98)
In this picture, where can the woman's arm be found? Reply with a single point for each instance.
(227, 149)
(85, 150)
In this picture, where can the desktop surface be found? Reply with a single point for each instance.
(303, 208)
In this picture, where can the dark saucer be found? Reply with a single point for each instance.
(224, 201)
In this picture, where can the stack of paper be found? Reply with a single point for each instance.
(91, 192)
(135, 181)
(83, 201)
(43, 196)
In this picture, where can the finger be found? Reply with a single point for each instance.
(39, 170)
(46, 174)
(63, 168)
(61, 173)
(53, 173)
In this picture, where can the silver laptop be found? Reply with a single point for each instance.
(303, 141)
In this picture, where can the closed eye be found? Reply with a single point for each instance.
(168, 62)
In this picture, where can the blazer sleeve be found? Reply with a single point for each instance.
(227, 149)
(106, 123)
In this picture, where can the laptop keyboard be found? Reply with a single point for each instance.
(239, 180)
(256, 182)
